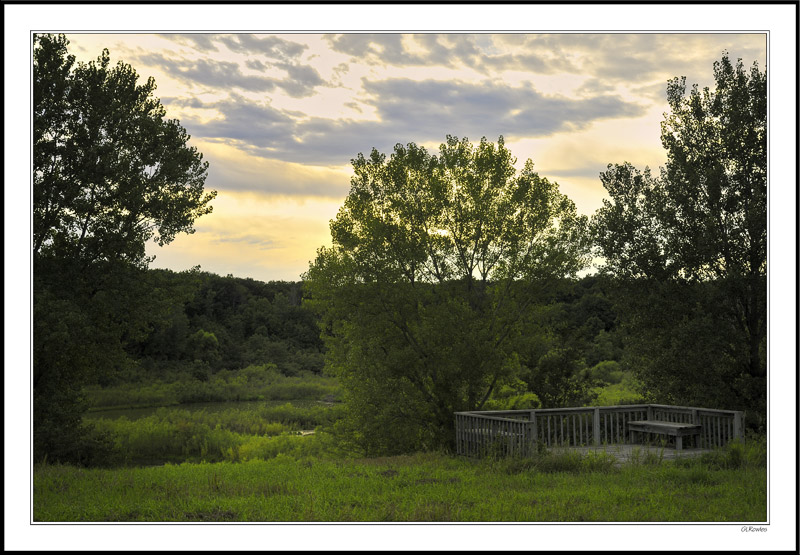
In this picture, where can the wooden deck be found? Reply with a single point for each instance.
(611, 428)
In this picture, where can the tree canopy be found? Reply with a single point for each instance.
(693, 240)
(110, 173)
(435, 262)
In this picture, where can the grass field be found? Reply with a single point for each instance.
(430, 487)
(246, 462)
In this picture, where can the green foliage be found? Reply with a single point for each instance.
(435, 262)
(513, 396)
(231, 323)
(560, 380)
(626, 392)
(688, 247)
(109, 174)
(233, 434)
(608, 371)
(253, 383)
(204, 345)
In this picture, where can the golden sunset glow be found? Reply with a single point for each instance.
(279, 116)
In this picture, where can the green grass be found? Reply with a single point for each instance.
(418, 488)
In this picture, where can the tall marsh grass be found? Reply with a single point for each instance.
(231, 435)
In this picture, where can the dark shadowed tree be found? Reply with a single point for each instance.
(110, 173)
(435, 262)
(690, 246)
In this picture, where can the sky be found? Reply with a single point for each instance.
(279, 116)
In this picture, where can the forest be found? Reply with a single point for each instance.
(455, 281)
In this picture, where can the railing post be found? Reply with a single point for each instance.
(738, 425)
(458, 438)
(533, 431)
(596, 429)
(649, 412)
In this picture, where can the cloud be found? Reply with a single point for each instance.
(373, 48)
(299, 82)
(247, 121)
(609, 56)
(212, 73)
(252, 240)
(595, 86)
(488, 108)
(408, 111)
(643, 57)
(234, 167)
(483, 53)
(199, 41)
(265, 45)
(302, 80)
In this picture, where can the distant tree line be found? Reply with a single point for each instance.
(226, 323)
(216, 323)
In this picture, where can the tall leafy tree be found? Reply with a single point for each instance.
(110, 173)
(434, 263)
(692, 243)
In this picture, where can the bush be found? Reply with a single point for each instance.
(608, 371)
(514, 402)
(626, 392)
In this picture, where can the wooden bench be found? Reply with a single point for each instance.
(677, 429)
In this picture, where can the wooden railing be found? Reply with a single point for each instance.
(521, 431)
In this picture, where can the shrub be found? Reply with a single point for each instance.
(608, 371)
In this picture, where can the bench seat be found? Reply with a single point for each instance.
(677, 429)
